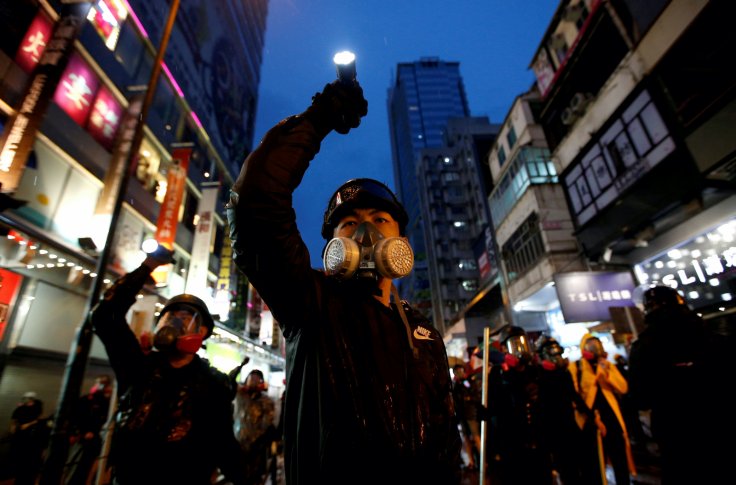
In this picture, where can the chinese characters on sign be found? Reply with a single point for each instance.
(20, 129)
(34, 43)
(586, 296)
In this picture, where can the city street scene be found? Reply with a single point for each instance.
(283, 242)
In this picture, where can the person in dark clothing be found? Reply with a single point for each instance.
(561, 433)
(680, 371)
(254, 425)
(516, 438)
(29, 435)
(89, 418)
(466, 411)
(368, 385)
(175, 410)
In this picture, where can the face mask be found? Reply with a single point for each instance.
(368, 254)
(552, 358)
(593, 349)
(174, 332)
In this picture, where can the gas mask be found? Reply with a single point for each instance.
(552, 358)
(178, 330)
(593, 349)
(368, 254)
(519, 351)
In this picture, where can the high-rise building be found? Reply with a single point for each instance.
(423, 97)
(455, 211)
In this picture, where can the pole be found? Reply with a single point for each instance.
(79, 353)
(484, 402)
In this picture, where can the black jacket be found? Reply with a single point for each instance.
(174, 425)
(358, 401)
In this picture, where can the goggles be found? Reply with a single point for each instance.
(185, 322)
(518, 346)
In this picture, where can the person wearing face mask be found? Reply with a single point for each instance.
(571, 454)
(368, 386)
(598, 381)
(519, 453)
(175, 410)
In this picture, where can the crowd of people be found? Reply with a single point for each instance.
(368, 384)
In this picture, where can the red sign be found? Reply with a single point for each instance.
(9, 286)
(168, 217)
(77, 89)
(104, 118)
(34, 43)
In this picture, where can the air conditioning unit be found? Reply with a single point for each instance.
(573, 13)
(568, 116)
(580, 101)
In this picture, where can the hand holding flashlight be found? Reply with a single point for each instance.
(345, 65)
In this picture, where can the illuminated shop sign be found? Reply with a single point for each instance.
(34, 43)
(107, 16)
(703, 269)
(623, 153)
(104, 118)
(77, 89)
(585, 296)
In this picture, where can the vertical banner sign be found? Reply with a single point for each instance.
(168, 217)
(199, 262)
(114, 174)
(222, 293)
(21, 128)
(120, 153)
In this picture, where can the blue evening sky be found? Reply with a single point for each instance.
(493, 41)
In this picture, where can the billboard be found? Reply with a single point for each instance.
(585, 296)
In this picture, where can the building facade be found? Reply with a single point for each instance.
(634, 99)
(198, 130)
(423, 97)
(455, 213)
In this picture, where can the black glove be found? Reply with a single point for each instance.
(339, 107)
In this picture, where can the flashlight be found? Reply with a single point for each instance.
(345, 65)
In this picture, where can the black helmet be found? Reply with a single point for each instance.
(550, 352)
(661, 295)
(362, 192)
(516, 341)
(193, 301)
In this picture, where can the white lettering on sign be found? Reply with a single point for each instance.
(600, 295)
(703, 268)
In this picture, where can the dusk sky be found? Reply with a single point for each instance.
(493, 41)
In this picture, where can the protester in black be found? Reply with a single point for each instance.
(571, 455)
(368, 385)
(89, 417)
(29, 435)
(254, 425)
(682, 372)
(466, 411)
(519, 452)
(175, 419)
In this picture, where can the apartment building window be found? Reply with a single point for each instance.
(467, 265)
(524, 248)
(469, 285)
(501, 156)
(511, 137)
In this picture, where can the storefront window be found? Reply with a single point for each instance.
(702, 269)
